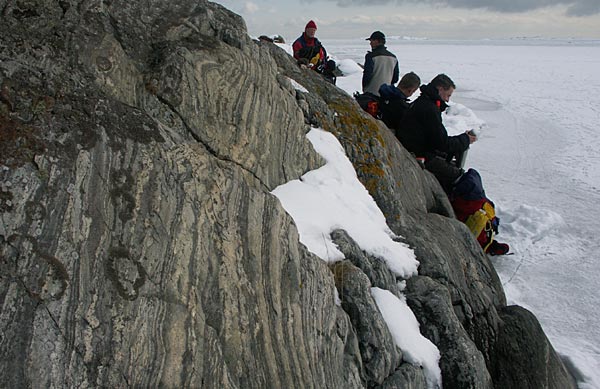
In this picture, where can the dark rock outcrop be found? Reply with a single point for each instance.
(140, 245)
(379, 354)
(525, 358)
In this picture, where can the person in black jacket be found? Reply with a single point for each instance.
(393, 101)
(422, 132)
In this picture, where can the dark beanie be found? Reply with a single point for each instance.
(310, 24)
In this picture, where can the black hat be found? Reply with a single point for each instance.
(377, 35)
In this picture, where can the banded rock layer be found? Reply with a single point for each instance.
(141, 247)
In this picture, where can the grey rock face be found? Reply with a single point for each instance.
(378, 351)
(139, 242)
(354, 278)
(406, 377)
(462, 364)
(525, 357)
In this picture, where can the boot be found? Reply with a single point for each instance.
(497, 248)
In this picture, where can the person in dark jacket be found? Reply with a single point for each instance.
(381, 66)
(422, 132)
(309, 52)
(393, 102)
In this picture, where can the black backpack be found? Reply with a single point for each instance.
(369, 102)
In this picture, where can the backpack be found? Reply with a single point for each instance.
(328, 70)
(473, 208)
(369, 102)
(393, 104)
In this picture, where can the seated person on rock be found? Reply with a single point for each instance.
(472, 207)
(393, 101)
(422, 133)
(309, 52)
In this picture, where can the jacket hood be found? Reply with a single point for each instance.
(389, 92)
(432, 93)
(470, 186)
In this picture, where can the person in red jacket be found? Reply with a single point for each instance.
(309, 52)
(308, 47)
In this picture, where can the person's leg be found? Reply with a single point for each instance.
(446, 173)
(497, 248)
(461, 158)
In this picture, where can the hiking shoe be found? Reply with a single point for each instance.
(497, 248)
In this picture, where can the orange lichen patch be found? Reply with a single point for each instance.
(18, 143)
(372, 169)
(341, 272)
(362, 138)
(355, 124)
(5, 96)
(151, 86)
(371, 185)
(55, 284)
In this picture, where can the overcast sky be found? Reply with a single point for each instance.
(453, 19)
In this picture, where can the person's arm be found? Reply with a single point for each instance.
(451, 145)
(296, 47)
(322, 56)
(396, 75)
(324, 52)
(458, 143)
(367, 70)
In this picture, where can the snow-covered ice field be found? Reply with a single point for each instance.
(539, 157)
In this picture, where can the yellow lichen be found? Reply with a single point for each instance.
(360, 134)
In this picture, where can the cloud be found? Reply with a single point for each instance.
(584, 8)
(433, 19)
(575, 7)
(250, 7)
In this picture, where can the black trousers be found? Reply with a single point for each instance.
(446, 172)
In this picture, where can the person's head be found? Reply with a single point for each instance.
(310, 29)
(409, 83)
(376, 39)
(444, 85)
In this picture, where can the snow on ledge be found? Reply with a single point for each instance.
(404, 327)
(297, 85)
(331, 198)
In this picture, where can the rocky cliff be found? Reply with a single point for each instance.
(140, 244)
